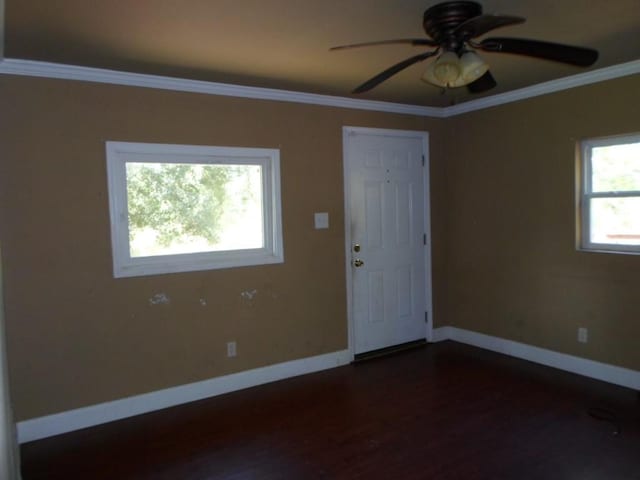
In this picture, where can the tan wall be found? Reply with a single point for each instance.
(504, 258)
(511, 263)
(76, 335)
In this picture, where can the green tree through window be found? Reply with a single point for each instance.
(177, 200)
(178, 208)
(176, 205)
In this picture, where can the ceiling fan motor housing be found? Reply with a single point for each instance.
(441, 21)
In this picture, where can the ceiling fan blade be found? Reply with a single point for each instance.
(391, 71)
(476, 26)
(410, 41)
(484, 83)
(580, 56)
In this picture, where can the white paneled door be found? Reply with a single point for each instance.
(387, 236)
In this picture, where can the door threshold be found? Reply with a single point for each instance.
(383, 352)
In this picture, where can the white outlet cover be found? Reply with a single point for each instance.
(321, 220)
(583, 335)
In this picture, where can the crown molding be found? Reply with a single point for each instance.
(587, 78)
(33, 68)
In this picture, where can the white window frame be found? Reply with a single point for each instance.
(124, 265)
(587, 194)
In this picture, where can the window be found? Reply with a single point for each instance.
(177, 208)
(610, 194)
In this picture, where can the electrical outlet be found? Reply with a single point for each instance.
(231, 349)
(583, 335)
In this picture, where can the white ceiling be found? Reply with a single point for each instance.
(285, 43)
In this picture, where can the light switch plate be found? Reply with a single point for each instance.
(321, 220)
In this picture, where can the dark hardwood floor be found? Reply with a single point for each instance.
(445, 411)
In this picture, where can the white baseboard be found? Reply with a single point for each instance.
(440, 334)
(50, 425)
(582, 366)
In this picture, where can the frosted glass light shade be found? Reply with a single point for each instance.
(450, 71)
(447, 68)
(429, 76)
(472, 67)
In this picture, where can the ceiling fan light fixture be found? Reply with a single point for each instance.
(452, 27)
(449, 71)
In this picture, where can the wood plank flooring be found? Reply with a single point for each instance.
(445, 411)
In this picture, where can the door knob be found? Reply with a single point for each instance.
(358, 263)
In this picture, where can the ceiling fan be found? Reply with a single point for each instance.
(453, 27)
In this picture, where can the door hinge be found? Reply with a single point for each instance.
(424, 238)
(423, 160)
(426, 317)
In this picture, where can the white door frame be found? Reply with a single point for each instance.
(424, 137)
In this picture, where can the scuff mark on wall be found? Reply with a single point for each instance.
(160, 299)
(249, 294)
(248, 297)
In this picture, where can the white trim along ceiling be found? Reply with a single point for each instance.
(70, 72)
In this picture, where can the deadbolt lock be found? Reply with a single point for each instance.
(356, 247)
